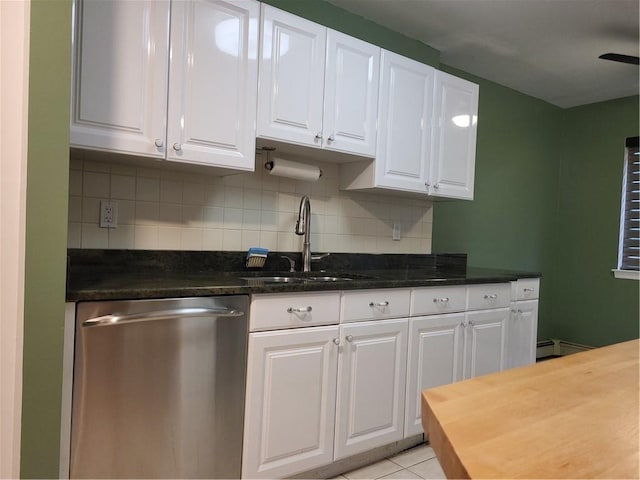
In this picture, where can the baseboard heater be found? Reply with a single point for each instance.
(554, 347)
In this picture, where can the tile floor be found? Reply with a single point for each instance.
(417, 462)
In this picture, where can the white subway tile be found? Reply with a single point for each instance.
(214, 196)
(252, 199)
(233, 181)
(147, 189)
(192, 216)
(146, 237)
(250, 238)
(285, 241)
(212, 238)
(269, 240)
(213, 217)
(170, 191)
(123, 187)
(95, 184)
(231, 240)
(251, 219)
(233, 218)
(91, 210)
(75, 209)
(149, 172)
(147, 213)
(91, 166)
(191, 239)
(75, 182)
(117, 169)
(126, 212)
(74, 235)
(121, 237)
(270, 200)
(94, 237)
(269, 221)
(232, 197)
(170, 214)
(193, 194)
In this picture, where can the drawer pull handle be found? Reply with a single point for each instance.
(349, 338)
(471, 324)
(299, 310)
(529, 289)
(336, 341)
(491, 297)
(379, 304)
(441, 300)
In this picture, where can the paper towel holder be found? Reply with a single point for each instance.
(268, 165)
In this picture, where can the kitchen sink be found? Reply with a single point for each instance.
(296, 279)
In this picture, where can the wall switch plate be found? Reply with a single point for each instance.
(108, 214)
(396, 231)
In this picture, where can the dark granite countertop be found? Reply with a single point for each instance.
(95, 275)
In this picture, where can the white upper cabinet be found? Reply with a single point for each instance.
(119, 79)
(454, 138)
(292, 56)
(212, 82)
(351, 95)
(405, 110)
(190, 97)
(317, 87)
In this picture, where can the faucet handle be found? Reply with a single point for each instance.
(320, 256)
(292, 263)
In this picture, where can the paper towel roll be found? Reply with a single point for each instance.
(286, 168)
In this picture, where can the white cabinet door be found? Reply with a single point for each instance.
(523, 331)
(351, 95)
(291, 83)
(371, 385)
(290, 401)
(454, 140)
(485, 338)
(212, 82)
(405, 113)
(435, 358)
(119, 79)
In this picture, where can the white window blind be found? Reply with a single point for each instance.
(629, 249)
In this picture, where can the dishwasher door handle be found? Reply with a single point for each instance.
(116, 319)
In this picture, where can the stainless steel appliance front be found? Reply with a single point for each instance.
(159, 388)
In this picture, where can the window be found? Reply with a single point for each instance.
(629, 248)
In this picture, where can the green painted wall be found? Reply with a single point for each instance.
(510, 222)
(331, 16)
(46, 235)
(590, 306)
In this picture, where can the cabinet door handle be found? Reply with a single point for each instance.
(526, 289)
(427, 184)
(471, 324)
(514, 311)
(379, 304)
(159, 143)
(436, 186)
(299, 309)
(331, 138)
(441, 300)
(319, 136)
(336, 341)
(491, 297)
(177, 147)
(519, 312)
(349, 338)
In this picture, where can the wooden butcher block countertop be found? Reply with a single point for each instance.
(571, 417)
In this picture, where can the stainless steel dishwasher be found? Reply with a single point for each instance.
(159, 388)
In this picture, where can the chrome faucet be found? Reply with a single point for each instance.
(303, 225)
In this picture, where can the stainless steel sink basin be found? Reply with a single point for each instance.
(274, 279)
(292, 279)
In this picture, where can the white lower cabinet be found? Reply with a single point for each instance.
(291, 395)
(436, 344)
(371, 385)
(484, 342)
(523, 330)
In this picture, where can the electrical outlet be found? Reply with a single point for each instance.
(396, 231)
(108, 214)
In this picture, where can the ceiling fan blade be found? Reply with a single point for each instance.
(617, 57)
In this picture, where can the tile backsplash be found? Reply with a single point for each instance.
(163, 209)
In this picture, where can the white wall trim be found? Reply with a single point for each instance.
(626, 274)
(14, 90)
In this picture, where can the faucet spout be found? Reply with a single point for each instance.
(302, 228)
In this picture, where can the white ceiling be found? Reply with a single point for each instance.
(545, 48)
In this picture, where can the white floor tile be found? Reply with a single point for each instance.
(375, 470)
(403, 474)
(429, 469)
(413, 456)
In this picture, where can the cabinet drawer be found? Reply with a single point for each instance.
(527, 289)
(433, 300)
(374, 304)
(276, 311)
(490, 295)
